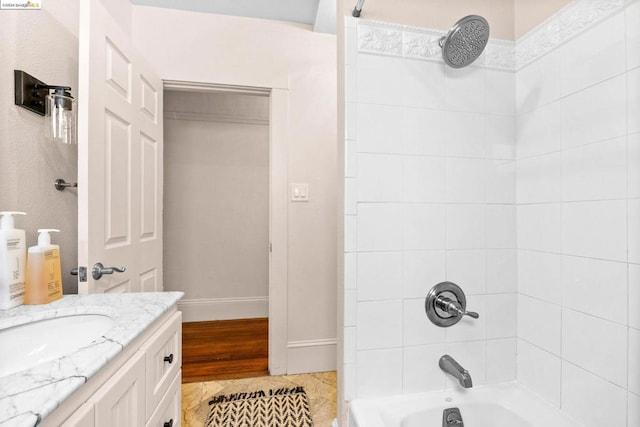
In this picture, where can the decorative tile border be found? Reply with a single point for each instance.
(423, 43)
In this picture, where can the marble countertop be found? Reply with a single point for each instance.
(26, 397)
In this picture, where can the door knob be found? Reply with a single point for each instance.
(99, 270)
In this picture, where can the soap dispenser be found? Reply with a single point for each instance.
(13, 257)
(44, 277)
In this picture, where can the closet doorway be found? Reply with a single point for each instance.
(218, 227)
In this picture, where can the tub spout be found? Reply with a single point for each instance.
(453, 368)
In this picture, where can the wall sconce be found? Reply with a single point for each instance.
(58, 107)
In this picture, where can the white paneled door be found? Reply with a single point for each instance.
(119, 159)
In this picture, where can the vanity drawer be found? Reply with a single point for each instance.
(168, 412)
(163, 360)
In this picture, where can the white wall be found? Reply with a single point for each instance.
(251, 52)
(43, 43)
(578, 106)
(216, 193)
(429, 197)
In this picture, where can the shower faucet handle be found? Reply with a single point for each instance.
(446, 305)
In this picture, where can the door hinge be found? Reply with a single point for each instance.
(270, 247)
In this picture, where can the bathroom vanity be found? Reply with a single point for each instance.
(115, 360)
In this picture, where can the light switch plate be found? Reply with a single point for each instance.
(299, 192)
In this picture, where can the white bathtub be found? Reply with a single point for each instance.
(503, 405)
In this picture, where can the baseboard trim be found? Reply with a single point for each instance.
(311, 356)
(202, 310)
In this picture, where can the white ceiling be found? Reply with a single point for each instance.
(300, 11)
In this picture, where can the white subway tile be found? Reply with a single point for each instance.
(423, 84)
(634, 358)
(501, 92)
(423, 226)
(418, 329)
(472, 356)
(424, 179)
(633, 165)
(501, 360)
(633, 231)
(379, 79)
(539, 179)
(501, 136)
(465, 134)
(423, 132)
(466, 180)
(350, 345)
(539, 227)
(540, 275)
(501, 181)
(350, 46)
(634, 296)
(595, 114)
(591, 400)
(379, 275)
(540, 371)
(351, 83)
(350, 233)
(467, 268)
(351, 159)
(633, 101)
(379, 178)
(539, 131)
(465, 89)
(466, 226)
(421, 270)
(379, 129)
(582, 282)
(350, 270)
(632, 13)
(350, 381)
(379, 372)
(539, 82)
(421, 369)
(350, 196)
(593, 56)
(539, 323)
(351, 121)
(595, 229)
(377, 331)
(501, 315)
(379, 227)
(350, 308)
(633, 408)
(597, 345)
(596, 171)
(469, 329)
(501, 226)
(502, 271)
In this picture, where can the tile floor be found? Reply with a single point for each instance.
(320, 388)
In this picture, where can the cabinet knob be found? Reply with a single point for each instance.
(169, 359)
(168, 423)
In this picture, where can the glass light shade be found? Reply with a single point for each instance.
(60, 119)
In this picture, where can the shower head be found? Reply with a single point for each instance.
(465, 41)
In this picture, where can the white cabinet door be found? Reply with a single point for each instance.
(121, 401)
(120, 151)
(83, 417)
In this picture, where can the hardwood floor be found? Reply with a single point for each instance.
(224, 349)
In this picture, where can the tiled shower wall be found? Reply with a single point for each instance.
(432, 193)
(430, 196)
(578, 214)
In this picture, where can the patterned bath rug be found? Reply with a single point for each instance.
(281, 407)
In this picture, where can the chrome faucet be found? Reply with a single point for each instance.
(453, 368)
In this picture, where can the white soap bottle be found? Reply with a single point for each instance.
(13, 262)
(44, 277)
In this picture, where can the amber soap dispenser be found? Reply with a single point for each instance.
(44, 277)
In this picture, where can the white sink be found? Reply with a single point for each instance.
(27, 345)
